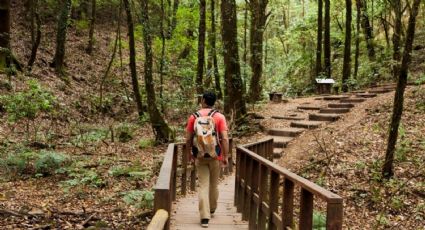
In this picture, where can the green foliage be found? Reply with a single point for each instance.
(18, 163)
(90, 135)
(82, 176)
(82, 25)
(125, 132)
(139, 198)
(319, 220)
(145, 143)
(27, 104)
(421, 80)
(48, 162)
(135, 172)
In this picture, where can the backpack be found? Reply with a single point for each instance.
(205, 139)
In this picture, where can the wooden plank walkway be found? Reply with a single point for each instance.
(185, 215)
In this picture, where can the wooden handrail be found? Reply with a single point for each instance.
(260, 185)
(175, 175)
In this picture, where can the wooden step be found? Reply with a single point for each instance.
(335, 110)
(358, 91)
(366, 95)
(286, 132)
(353, 100)
(309, 107)
(341, 105)
(335, 97)
(306, 124)
(296, 118)
(281, 142)
(323, 117)
(277, 152)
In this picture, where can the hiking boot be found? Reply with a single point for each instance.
(204, 223)
(212, 213)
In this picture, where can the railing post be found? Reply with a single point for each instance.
(237, 177)
(163, 201)
(230, 163)
(334, 216)
(253, 217)
(273, 197)
(184, 172)
(248, 188)
(242, 176)
(262, 216)
(288, 204)
(174, 173)
(306, 210)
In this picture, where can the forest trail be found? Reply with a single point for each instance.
(186, 215)
(288, 125)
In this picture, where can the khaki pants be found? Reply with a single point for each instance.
(208, 173)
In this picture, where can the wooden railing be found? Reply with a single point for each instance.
(177, 175)
(265, 192)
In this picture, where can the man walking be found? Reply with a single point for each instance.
(207, 144)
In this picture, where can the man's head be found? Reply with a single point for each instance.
(209, 98)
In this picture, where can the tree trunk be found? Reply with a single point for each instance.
(234, 99)
(368, 31)
(58, 60)
(258, 22)
(213, 39)
(133, 70)
(201, 48)
(162, 61)
(398, 13)
(387, 168)
(173, 23)
(327, 40)
(245, 48)
(36, 18)
(347, 47)
(319, 38)
(92, 23)
(4, 33)
(357, 54)
(162, 132)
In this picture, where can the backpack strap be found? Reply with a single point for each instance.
(196, 115)
(212, 112)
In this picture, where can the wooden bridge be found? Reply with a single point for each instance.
(257, 195)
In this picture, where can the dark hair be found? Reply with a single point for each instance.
(209, 98)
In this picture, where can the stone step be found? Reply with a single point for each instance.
(335, 97)
(335, 110)
(323, 117)
(353, 100)
(309, 107)
(366, 95)
(341, 105)
(306, 124)
(380, 90)
(277, 152)
(292, 118)
(286, 132)
(281, 142)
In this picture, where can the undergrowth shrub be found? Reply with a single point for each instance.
(48, 162)
(139, 198)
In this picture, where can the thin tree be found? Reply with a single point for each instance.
(36, 23)
(398, 13)
(4, 33)
(162, 132)
(258, 23)
(357, 52)
(201, 48)
(368, 30)
(319, 37)
(234, 101)
(346, 68)
(133, 70)
(173, 18)
(327, 40)
(213, 39)
(162, 60)
(388, 166)
(58, 60)
(89, 49)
